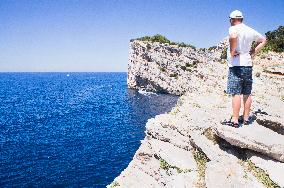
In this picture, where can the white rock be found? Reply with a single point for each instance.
(254, 137)
(228, 174)
(173, 155)
(275, 169)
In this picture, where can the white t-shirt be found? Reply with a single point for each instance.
(245, 37)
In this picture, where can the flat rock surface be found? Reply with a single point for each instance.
(173, 155)
(276, 70)
(254, 137)
(229, 174)
(274, 123)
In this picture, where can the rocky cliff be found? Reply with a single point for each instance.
(188, 147)
(168, 68)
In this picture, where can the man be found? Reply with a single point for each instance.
(240, 56)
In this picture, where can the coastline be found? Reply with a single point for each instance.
(188, 147)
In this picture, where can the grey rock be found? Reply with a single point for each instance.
(165, 68)
(229, 174)
(278, 70)
(271, 122)
(274, 168)
(256, 138)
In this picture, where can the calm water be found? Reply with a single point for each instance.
(69, 131)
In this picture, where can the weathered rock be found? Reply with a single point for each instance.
(147, 163)
(274, 168)
(256, 138)
(175, 156)
(279, 70)
(223, 169)
(185, 180)
(168, 68)
(143, 168)
(229, 174)
(162, 127)
(212, 151)
(273, 123)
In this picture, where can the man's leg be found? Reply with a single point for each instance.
(247, 87)
(247, 104)
(236, 104)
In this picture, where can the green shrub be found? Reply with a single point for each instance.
(155, 38)
(201, 160)
(202, 49)
(174, 75)
(266, 49)
(114, 184)
(223, 61)
(196, 62)
(189, 66)
(224, 54)
(182, 44)
(189, 70)
(164, 164)
(183, 67)
(212, 48)
(275, 39)
(162, 69)
(162, 39)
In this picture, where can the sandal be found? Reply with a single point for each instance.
(249, 121)
(230, 123)
(241, 119)
(246, 122)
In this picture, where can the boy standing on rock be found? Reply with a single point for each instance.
(240, 55)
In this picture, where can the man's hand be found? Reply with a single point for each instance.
(236, 54)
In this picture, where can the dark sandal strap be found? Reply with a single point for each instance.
(247, 122)
(230, 123)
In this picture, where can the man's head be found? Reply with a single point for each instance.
(236, 17)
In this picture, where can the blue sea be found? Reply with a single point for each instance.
(71, 129)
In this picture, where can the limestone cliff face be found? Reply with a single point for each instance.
(167, 68)
(189, 147)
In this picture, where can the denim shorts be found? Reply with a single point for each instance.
(239, 80)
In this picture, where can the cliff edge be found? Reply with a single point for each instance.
(188, 147)
(165, 68)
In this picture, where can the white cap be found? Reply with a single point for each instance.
(236, 14)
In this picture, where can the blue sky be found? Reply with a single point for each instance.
(85, 35)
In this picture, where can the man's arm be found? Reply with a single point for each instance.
(233, 44)
(259, 45)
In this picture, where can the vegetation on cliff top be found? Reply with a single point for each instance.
(163, 39)
(275, 39)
